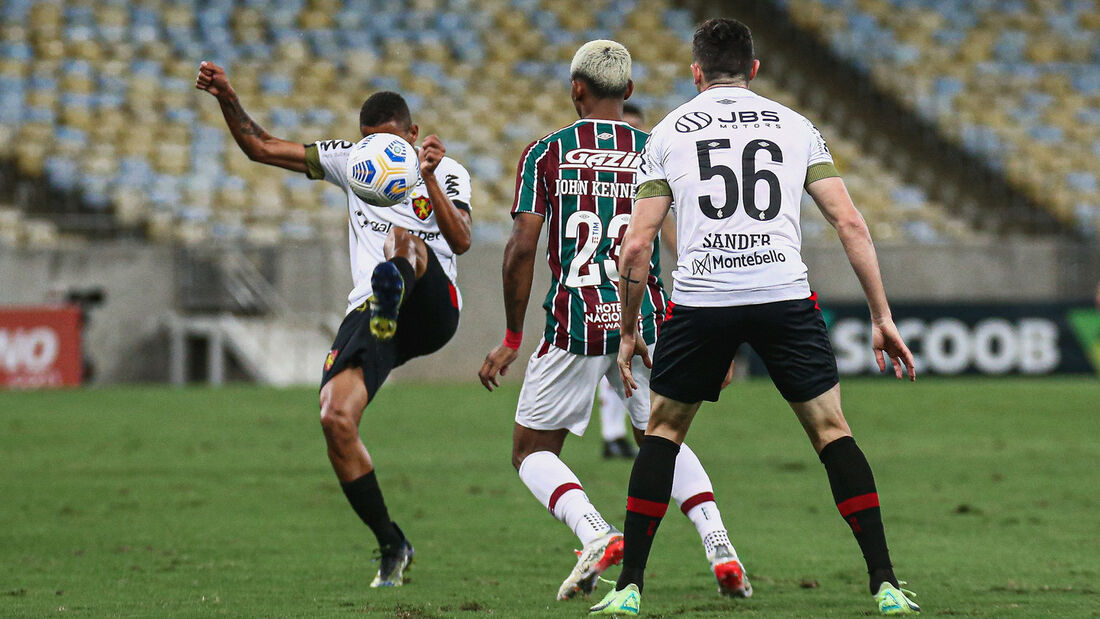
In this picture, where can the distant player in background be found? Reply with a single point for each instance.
(612, 408)
(579, 181)
(735, 165)
(404, 268)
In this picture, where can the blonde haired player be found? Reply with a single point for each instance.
(579, 181)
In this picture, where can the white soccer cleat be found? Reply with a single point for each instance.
(730, 574)
(597, 556)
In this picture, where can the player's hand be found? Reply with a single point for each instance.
(629, 346)
(430, 154)
(212, 79)
(886, 339)
(496, 362)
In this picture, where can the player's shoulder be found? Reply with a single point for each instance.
(786, 112)
(449, 165)
(333, 145)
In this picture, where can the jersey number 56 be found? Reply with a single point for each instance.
(750, 176)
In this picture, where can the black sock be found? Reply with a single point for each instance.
(408, 273)
(857, 499)
(648, 495)
(366, 499)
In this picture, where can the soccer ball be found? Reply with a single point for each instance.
(382, 169)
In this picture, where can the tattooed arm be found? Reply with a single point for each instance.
(634, 256)
(258, 144)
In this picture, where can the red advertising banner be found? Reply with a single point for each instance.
(40, 347)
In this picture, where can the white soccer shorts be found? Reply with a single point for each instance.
(560, 387)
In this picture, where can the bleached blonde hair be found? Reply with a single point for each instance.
(605, 65)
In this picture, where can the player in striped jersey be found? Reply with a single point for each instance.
(578, 181)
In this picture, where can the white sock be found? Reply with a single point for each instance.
(693, 492)
(559, 490)
(612, 413)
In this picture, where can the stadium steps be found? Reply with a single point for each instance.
(271, 351)
(842, 94)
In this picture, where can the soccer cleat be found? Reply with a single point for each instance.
(395, 559)
(388, 291)
(619, 448)
(597, 556)
(626, 602)
(893, 601)
(731, 576)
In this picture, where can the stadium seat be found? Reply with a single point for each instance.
(980, 57)
(98, 95)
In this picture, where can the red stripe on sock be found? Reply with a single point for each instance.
(653, 509)
(702, 497)
(560, 490)
(858, 504)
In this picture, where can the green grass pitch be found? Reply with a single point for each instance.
(153, 501)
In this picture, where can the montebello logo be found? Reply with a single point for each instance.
(1086, 326)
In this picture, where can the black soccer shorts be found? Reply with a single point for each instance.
(427, 320)
(696, 346)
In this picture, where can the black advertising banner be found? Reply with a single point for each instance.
(990, 339)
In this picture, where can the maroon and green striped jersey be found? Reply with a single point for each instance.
(581, 180)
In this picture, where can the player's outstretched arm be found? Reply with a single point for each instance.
(634, 257)
(836, 205)
(518, 271)
(453, 222)
(258, 144)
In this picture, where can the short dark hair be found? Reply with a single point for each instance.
(632, 108)
(382, 107)
(722, 48)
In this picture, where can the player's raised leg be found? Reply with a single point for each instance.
(343, 399)
(855, 494)
(392, 280)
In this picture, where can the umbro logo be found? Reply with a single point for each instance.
(450, 184)
(604, 136)
(726, 101)
(714, 144)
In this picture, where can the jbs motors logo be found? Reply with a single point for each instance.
(601, 160)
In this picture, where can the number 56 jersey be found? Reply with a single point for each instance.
(735, 164)
(581, 179)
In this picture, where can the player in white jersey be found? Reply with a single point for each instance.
(734, 165)
(405, 301)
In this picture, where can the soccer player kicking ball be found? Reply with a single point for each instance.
(734, 164)
(403, 263)
(580, 180)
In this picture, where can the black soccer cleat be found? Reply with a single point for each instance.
(619, 448)
(395, 559)
(388, 290)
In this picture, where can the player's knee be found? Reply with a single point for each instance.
(519, 454)
(338, 421)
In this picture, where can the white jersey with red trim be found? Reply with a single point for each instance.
(369, 225)
(736, 164)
